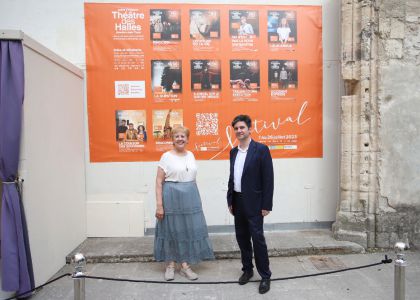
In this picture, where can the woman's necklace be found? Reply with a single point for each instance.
(186, 162)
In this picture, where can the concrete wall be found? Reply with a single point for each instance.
(306, 189)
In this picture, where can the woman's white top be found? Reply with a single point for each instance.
(283, 32)
(178, 168)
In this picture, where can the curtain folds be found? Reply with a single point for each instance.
(17, 272)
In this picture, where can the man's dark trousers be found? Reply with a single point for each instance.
(247, 228)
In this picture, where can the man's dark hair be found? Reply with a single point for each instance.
(242, 118)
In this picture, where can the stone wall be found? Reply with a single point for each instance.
(398, 216)
(380, 155)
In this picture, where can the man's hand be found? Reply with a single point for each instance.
(231, 210)
(265, 212)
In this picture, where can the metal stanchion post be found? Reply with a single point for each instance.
(399, 271)
(79, 283)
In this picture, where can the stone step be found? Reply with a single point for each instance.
(279, 243)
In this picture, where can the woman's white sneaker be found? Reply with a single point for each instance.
(170, 273)
(187, 272)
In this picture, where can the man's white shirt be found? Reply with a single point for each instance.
(238, 169)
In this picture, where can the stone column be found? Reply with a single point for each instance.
(359, 125)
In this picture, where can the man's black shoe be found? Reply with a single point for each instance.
(245, 277)
(264, 286)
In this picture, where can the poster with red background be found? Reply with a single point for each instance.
(152, 67)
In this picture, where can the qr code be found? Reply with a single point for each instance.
(207, 123)
(123, 89)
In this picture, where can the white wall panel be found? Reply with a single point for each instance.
(52, 159)
(306, 189)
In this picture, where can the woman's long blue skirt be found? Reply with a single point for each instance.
(182, 235)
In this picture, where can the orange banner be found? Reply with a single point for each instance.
(152, 67)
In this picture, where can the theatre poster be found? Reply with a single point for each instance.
(153, 67)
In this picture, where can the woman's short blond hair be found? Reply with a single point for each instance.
(182, 129)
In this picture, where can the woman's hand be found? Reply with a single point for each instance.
(159, 212)
(160, 177)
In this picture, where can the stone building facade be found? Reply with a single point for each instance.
(380, 123)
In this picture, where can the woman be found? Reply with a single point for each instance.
(283, 31)
(181, 232)
(142, 134)
(199, 26)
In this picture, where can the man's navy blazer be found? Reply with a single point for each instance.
(257, 183)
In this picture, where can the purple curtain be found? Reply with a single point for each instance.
(17, 272)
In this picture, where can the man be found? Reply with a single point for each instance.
(122, 128)
(283, 78)
(131, 133)
(167, 79)
(205, 79)
(158, 26)
(250, 199)
(245, 28)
